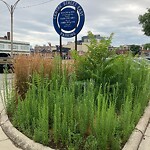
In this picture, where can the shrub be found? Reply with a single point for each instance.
(92, 61)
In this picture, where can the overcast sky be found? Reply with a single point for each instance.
(34, 24)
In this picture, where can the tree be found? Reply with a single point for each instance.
(147, 46)
(145, 21)
(135, 49)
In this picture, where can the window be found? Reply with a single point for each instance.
(9, 47)
(24, 47)
(15, 46)
(1, 46)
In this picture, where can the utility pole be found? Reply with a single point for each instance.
(11, 9)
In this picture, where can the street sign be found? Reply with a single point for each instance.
(68, 19)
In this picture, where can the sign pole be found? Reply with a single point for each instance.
(76, 42)
(60, 47)
(76, 38)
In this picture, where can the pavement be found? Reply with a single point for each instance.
(139, 139)
(145, 143)
(5, 142)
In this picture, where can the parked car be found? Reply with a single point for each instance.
(6, 61)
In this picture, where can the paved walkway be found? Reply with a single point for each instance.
(145, 143)
(5, 142)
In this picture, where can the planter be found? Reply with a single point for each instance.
(25, 143)
(17, 137)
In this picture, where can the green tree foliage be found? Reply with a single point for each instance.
(98, 52)
(147, 46)
(145, 21)
(135, 49)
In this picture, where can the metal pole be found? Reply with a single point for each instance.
(76, 36)
(60, 48)
(11, 9)
(11, 14)
(76, 47)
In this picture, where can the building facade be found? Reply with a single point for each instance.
(82, 45)
(19, 47)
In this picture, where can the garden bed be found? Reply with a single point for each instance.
(91, 103)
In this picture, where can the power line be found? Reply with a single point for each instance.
(36, 4)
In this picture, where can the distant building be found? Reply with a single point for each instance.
(19, 47)
(145, 53)
(82, 44)
(124, 49)
(51, 51)
(98, 37)
(6, 37)
(44, 48)
(82, 47)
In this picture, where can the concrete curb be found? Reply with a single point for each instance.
(138, 133)
(17, 137)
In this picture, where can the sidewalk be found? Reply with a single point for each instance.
(145, 143)
(5, 142)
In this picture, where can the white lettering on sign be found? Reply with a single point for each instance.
(80, 10)
(70, 3)
(59, 7)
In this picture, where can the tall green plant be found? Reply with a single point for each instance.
(106, 122)
(98, 51)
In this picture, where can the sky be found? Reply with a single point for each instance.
(33, 20)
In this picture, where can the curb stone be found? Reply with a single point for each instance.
(138, 133)
(17, 137)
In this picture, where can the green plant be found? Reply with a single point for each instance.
(94, 107)
(87, 65)
(91, 143)
(145, 21)
(105, 121)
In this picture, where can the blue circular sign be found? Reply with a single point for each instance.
(68, 19)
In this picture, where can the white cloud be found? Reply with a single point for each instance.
(35, 24)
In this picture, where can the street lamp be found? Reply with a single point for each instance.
(11, 9)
